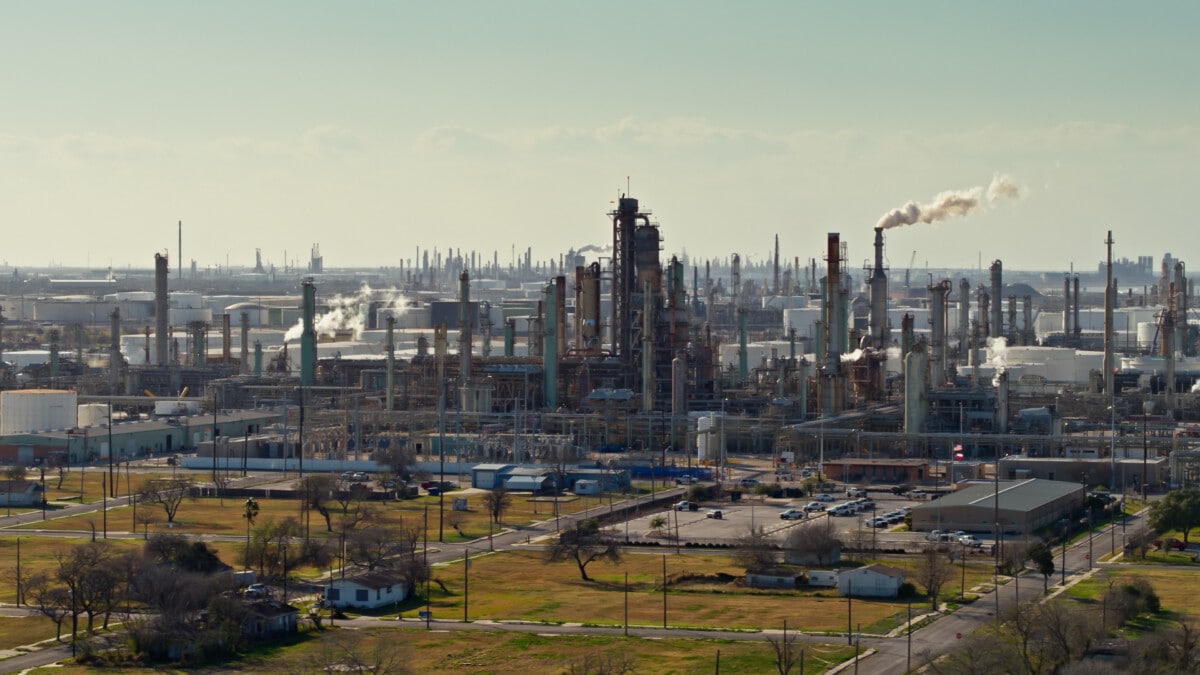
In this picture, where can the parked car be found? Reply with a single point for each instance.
(969, 540)
(686, 506)
(1170, 543)
(792, 514)
(934, 535)
(685, 480)
(748, 482)
(715, 514)
(917, 494)
(814, 506)
(256, 591)
(823, 497)
(877, 522)
(856, 492)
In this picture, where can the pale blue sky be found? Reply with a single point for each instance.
(372, 128)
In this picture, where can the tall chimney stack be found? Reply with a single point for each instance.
(161, 270)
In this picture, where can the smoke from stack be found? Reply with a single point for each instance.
(951, 204)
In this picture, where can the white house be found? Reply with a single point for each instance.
(366, 590)
(872, 581)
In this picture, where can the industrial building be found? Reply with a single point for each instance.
(1020, 507)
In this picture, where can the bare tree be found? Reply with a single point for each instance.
(399, 461)
(315, 490)
(168, 493)
(1139, 539)
(755, 550)
(787, 652)
(1068, 633)
(53, 602)
(496, 501)
(374, 545)
(584, 543)
(932, 571)
(352, 651)
(813, 544)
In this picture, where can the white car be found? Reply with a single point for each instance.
(814, 506)
(823, 497)
(792, 514)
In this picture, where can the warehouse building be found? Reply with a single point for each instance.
(1024, 507)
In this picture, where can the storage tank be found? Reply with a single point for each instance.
(1147, 334)
(92, 414)
(32, 410)
(710, 438)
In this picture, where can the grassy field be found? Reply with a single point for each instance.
(212, 515)
(702, 592)
(17, 631)
(485, 652)
(1176, 588)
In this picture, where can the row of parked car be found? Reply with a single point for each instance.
(958, 537)
(890, 518)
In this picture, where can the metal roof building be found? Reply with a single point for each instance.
(1024, 506)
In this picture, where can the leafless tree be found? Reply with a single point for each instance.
(53, 602)
(315, 491)
(168, 493)
(496, 501)
(932, 571)
(813, 543)
(1139, 539)
(788, 653)
(755, 550)
(373, 545)
(584, 543)
(354, 651)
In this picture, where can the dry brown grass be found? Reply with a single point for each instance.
(518, 585)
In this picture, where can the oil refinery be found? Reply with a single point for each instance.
(660, 364)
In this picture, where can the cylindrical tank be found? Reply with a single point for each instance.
(710, 438)
(1147, 334)
(92, 414)
(32, 410)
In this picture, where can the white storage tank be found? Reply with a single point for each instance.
(710, 440)
(31, 410)
(92, 414)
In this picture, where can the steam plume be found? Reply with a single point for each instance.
(950, 204)
(349, 312)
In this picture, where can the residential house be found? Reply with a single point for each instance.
(366, 590)
(871, 581)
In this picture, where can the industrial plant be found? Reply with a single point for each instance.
(618, 355)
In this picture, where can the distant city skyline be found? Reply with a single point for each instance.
(375, 128)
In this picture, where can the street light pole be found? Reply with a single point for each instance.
(1146, 408)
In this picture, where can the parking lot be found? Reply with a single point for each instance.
(751, 513)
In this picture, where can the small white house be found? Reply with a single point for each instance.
(872, 581)
(822, 578)
(366, 590)
(20, 493)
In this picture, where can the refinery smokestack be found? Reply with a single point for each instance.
(1110, 301)
(997, 320)
(308, 338)
(964, 320)
(245, 364)
(161, 270)
(879, 290)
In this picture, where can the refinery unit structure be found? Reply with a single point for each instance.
(555, 360)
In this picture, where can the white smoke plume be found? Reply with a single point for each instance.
(997, 348)
(951, 204)
(593, 248)
(852, 356)
(349, 312)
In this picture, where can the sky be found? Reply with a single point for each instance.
(375, 129)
